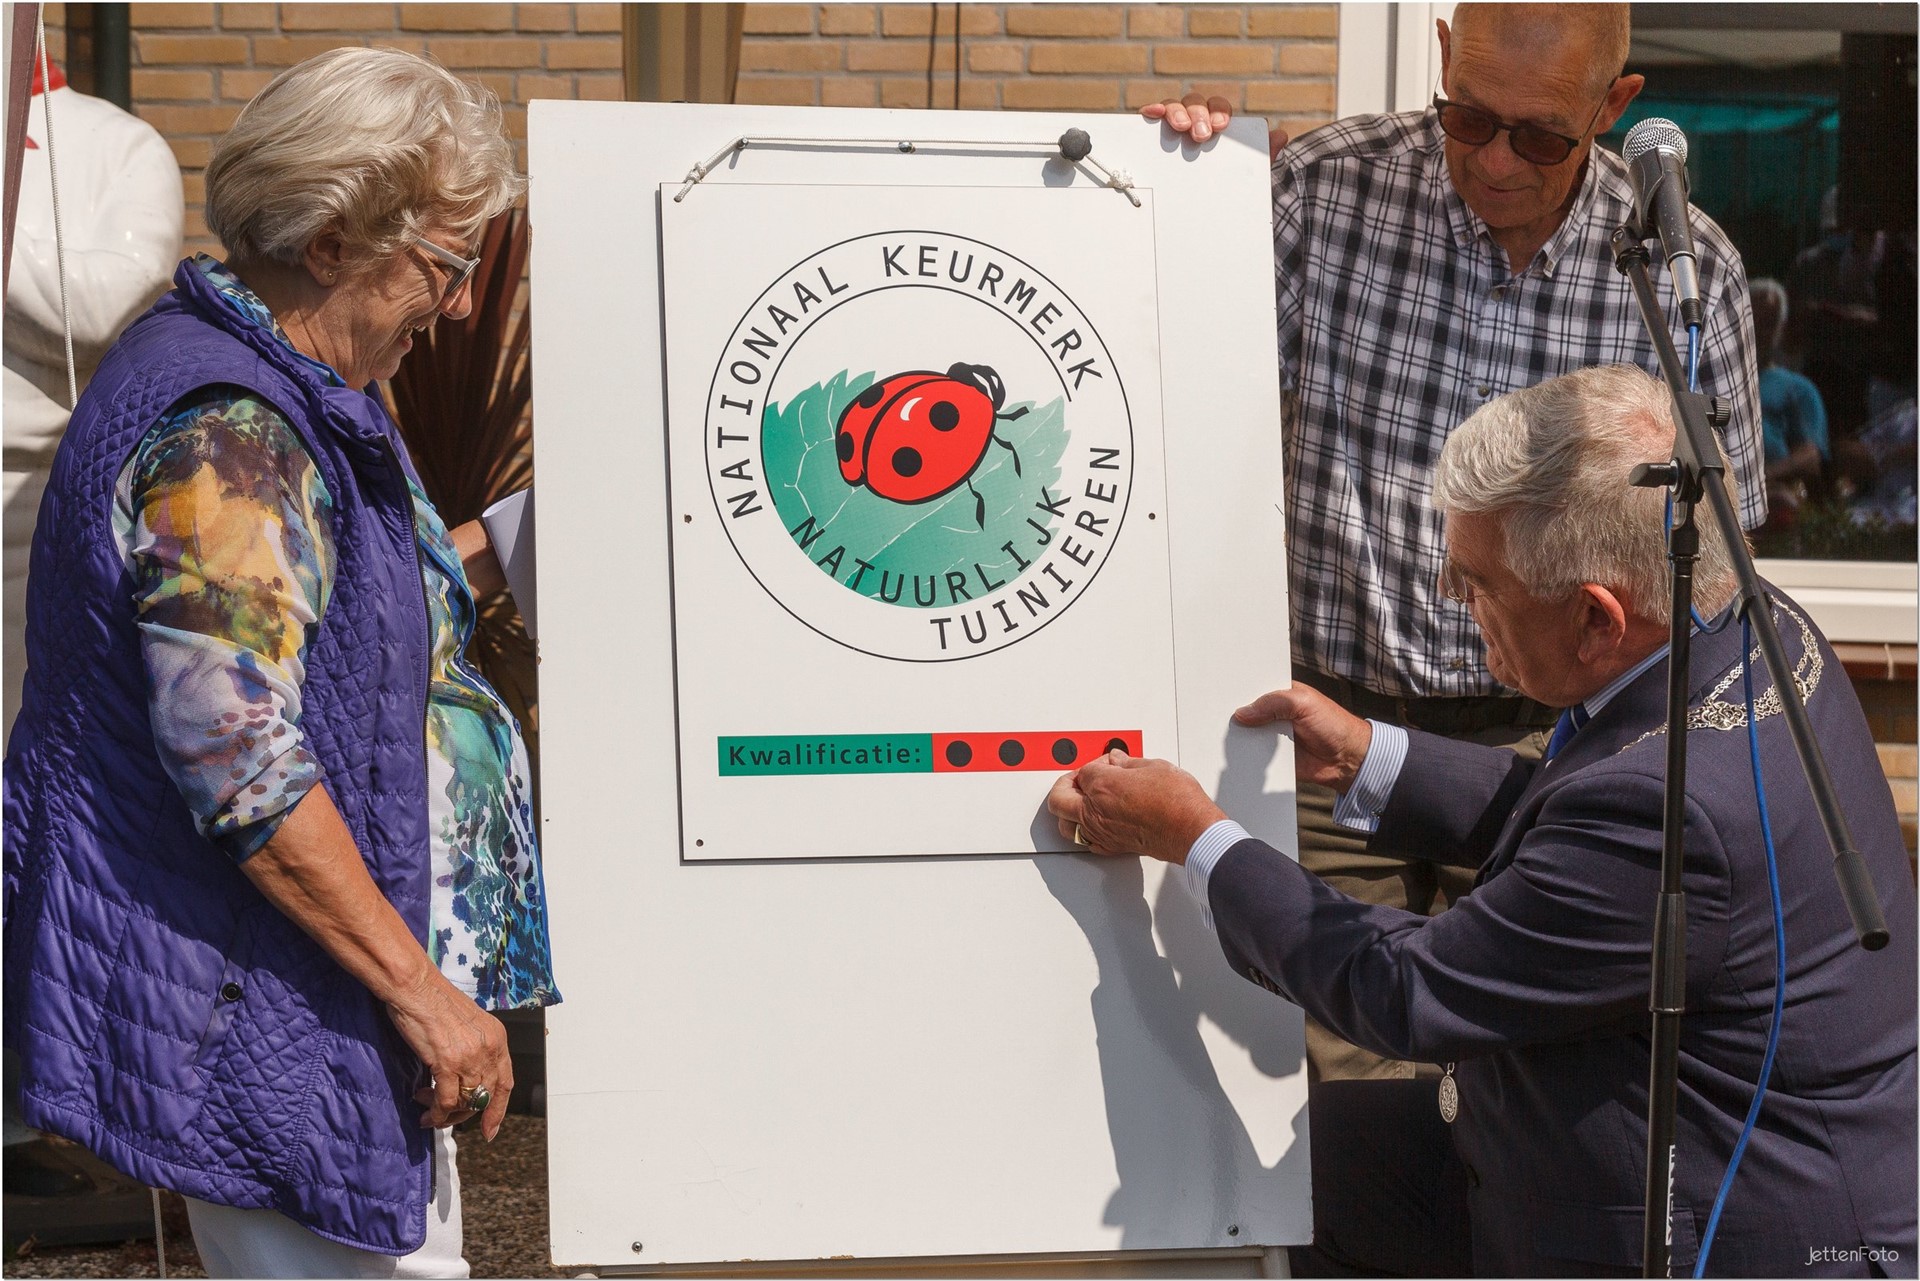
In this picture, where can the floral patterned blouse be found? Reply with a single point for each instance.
(225, 524)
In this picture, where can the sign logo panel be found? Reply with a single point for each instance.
(919, 446)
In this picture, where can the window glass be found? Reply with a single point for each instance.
(1802, 147)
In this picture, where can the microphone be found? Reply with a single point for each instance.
(1656, 153)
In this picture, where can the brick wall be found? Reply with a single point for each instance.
(1273, 60)
(196, 65)
(1893, 716)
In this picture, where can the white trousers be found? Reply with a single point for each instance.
(266, 1243)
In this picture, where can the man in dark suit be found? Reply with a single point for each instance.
(1532, 992)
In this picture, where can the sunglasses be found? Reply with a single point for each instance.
(463, 268)
(1530, 142)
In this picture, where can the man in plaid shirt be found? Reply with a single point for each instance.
(1425, 263)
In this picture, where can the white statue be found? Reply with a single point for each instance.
(121, 210)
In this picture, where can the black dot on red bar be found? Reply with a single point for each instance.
(1011, 753)
(959, 754)
(1116, 745)
(1064, 750)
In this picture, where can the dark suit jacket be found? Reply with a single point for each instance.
(1536, 983)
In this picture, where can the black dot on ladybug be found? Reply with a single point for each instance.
(959, 755)
(1011, 753)
(871, 396)
(1064, 750)
(846, 447)
(1116, 745)
(906, 462)
(945, 415)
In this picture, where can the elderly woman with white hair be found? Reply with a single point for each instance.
(269, 847)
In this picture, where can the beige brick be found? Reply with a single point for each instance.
(412, 44)
(143, 17)
(515, 119)
(285, 51)
(1309, 59)
(1270, 20)
(779, 19)
(903, 93)
(1294, 97)
(501, 82)
(192, 153)
(194, 226)
(1064, 20)
(597, 53)
(1898, 760)
(898, 55)
(153, 85)
(1141, 92)
(248, 17)
(601, 89)
(922, 20)
(789, 55)
(529, 85)
(778, 91)
(1297, 126)
(456, 17)
(1209, 22)
(193, 186)
(979, 95)
(844, 91)
(1234, 91)
(499, 51)
(1061, 95)
(1087, 59)
(199, 49)
(846, 20)
(1905, 800)
(1156, 21)
(596, 19)
(336, 17)
(1005, 58)
(171, 120)
(1213, 60)
(543, 17)
(240, 84)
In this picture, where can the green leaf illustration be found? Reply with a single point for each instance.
(900, 542)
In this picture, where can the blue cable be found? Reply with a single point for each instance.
(1779, 956)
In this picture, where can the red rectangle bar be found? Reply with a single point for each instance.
(1048, 750)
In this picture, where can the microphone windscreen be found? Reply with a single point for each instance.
(1655, 133)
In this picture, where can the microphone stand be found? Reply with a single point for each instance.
(1694, 473)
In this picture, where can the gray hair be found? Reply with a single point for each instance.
(1766, 287)
(374, 144)
(1551, 462)
(1521, 28)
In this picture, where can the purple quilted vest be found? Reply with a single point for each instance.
(166, 1015)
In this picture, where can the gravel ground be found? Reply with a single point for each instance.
(503, 1197)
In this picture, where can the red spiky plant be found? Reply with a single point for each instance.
(462, 400)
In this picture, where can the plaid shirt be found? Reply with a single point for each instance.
(1399, 317)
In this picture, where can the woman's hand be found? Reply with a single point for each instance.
(462, 1045)
(312, 871)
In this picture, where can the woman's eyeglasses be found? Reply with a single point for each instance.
(463, 268)
(1530, 142)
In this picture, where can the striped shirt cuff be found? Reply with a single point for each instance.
(1360, 808)
(1207, 851)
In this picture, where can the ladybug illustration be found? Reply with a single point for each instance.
(914, 437)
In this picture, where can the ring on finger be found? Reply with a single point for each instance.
(475, 1098)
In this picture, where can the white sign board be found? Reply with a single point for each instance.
(882, 483)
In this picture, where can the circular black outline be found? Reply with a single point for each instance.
(773, 375)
